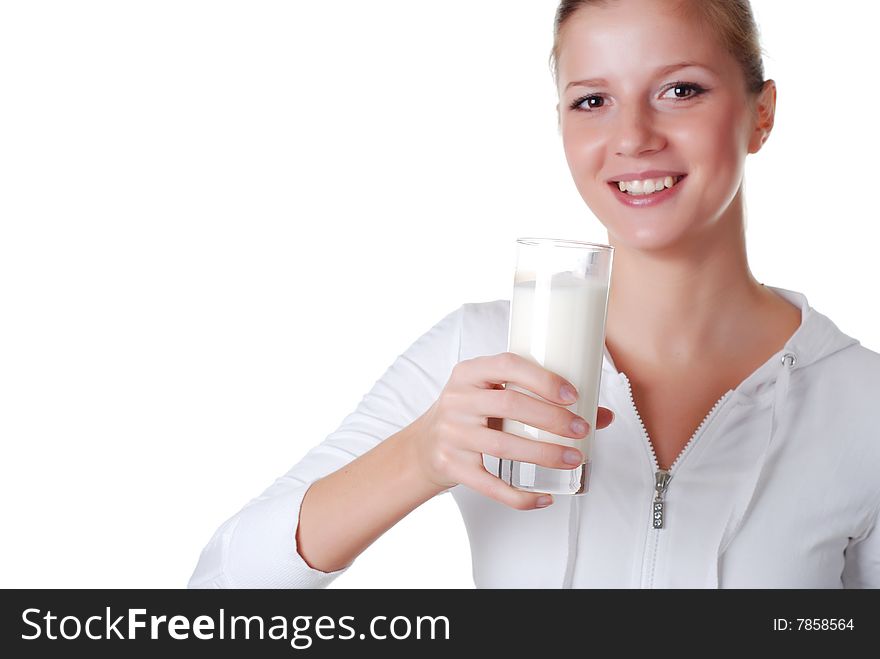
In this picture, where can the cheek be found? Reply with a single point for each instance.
(583, 150)
(713, 143)
(586, 152)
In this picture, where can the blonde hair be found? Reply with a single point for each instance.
(732, 21)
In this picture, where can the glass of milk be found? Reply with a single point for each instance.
(557, 319)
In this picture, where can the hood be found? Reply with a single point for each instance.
(816, 338)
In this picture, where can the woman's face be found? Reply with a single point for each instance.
(635, 118)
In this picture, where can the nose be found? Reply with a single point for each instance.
(636, 131)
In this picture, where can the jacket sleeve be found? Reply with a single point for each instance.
(256, 547)
(862, 557)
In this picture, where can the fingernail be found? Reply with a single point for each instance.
(572, 457)
(543, 502)
(579, 427)
(567, 392)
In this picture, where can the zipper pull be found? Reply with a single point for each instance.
(661, 482)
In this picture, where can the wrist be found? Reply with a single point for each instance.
(414, 474)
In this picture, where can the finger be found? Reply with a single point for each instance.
(604, 418)
(480, 480)
(513, 447)
(508, 367)
(511, 404)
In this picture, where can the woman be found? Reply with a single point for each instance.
(741, 408)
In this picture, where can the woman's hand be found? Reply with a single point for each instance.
(458, 428)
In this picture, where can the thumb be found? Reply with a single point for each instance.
(604, 418)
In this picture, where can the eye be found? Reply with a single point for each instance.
(594, 101)
(576, 104)
(685, 86)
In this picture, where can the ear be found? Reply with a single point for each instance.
(558, 120)
(765, 110)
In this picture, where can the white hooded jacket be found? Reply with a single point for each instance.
(777, 488)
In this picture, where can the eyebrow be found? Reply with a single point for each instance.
(663, 70)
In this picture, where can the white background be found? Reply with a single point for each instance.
(220, 222)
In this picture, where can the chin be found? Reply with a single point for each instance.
(646, 229)
(644, 240)
(656, 233)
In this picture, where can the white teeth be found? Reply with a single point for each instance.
(648, 186)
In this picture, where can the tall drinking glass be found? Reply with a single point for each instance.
(557, 319)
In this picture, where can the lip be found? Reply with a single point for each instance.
(641, 176)
(646, 200)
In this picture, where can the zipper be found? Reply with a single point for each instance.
(663, 477)
(661, 482)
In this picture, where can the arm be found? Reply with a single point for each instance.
(862, 556)
(259, 547)
(344, 513)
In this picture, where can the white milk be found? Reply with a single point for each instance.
(562, 328)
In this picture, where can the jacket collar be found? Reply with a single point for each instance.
(816, 337)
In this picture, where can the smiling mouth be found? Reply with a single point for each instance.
(640, 189)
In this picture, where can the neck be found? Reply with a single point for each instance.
(685, 303)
